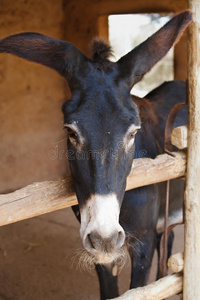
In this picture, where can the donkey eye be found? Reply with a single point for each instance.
(132, 134)
(72, 135)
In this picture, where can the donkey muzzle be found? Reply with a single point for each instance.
(100, 228)
(95, 243)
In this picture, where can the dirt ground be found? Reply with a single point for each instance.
(38, 259)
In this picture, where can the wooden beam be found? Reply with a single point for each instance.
(164, 167)
(191, 281)
(36, 199)
(43, 197)
(161, 289)
(176, 262)
(179, 137)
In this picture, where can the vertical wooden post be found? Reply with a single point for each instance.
(191, 281)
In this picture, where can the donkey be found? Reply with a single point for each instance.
(107, 129)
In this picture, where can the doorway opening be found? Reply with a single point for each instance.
(126, 32)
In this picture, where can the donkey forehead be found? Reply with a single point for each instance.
(103, 118)
(102, 105)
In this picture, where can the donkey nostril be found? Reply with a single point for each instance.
(90, 241)
(96, 241)
(120, 239)
(87, 243)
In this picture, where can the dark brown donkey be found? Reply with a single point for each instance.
(107, 128)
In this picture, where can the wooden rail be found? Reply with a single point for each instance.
(43, 197)
(158, 290)
(163, 288)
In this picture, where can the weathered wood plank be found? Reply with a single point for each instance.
(191, 280)
(161, 289)
(36, 199)
(164, 167)
(43, 197)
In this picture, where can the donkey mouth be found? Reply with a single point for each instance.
(88, 260)
(107, 258)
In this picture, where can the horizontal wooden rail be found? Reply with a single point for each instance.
(43, 197)
(164, 167)
(160, 289)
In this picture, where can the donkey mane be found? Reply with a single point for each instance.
(101, 52)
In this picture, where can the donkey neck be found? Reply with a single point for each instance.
(150, 140)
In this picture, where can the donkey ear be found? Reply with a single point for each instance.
(61, 56)
(134, 65)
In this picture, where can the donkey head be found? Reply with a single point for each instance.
(101, 121)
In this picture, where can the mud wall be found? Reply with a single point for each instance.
(30, 99)
(32, 142)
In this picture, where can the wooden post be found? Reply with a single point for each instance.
(191, 281)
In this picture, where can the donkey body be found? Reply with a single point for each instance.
(102, 120)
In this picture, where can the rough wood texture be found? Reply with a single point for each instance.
(191, 282)
(175, 262)
(161, 289)
(44, 197)
(179, 137)
(147, 171)
(36, 199)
